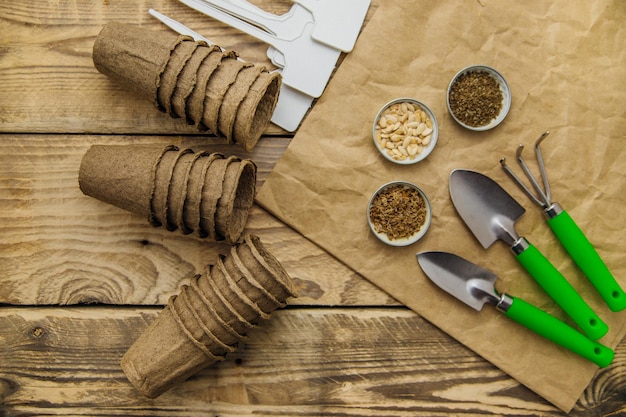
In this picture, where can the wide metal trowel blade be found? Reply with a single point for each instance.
(487, 209)
(459, 277)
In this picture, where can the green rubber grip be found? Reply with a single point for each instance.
(584, 254)
(560, 333)
(561, 291)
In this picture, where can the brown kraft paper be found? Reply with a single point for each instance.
(564, 62)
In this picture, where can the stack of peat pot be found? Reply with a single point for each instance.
(206, 194)
(204, 322)
(203, 84)
(203, 193)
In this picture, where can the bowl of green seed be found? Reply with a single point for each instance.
(479, 98)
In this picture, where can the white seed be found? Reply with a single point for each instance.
(402, 130)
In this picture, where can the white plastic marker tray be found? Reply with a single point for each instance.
(308, 63)
(337, 22)
(287, 26)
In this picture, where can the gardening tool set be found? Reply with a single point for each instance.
(490, 213)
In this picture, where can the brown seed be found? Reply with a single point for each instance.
(398, 212)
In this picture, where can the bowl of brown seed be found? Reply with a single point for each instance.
(479, 98)
(405, 131)
(399, 213)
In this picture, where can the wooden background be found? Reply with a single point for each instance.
(80, 280)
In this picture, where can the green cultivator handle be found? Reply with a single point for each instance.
(557, 287)
(560, 333)
(584, 254)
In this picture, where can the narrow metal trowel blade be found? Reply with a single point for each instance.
(459, 277)
(485, 207)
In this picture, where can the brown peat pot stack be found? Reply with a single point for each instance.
(206, 86)
(205, 320)
(203, 193)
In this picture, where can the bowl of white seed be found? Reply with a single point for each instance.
(405, 131)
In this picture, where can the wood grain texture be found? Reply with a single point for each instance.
(343, 347)
(59, 246)
(300, 362)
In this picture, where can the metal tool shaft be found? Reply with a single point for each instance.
(542, 196)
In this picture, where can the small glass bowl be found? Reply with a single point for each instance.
(504, 89)
(426, 150)
(418, 234)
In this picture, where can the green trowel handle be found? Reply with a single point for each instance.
(584, 254)
(561, 291)
(560, 333)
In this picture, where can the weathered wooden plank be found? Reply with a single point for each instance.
(58, 246)
(300, 362)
